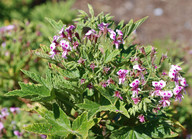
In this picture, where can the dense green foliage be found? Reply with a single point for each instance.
(73, 95)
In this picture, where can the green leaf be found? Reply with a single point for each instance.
(57, 25)
(47, 129)
(131, 26)
(94, 108)
(91, 11)
(81, 125)
(61, 120)
(112, 55)
(106, 94)
(128, 133)
(30, 90)
(34, 76)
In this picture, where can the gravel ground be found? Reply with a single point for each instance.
(167, 18)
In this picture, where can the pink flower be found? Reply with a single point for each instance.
(135, 85)
(43, 136)
(177, 91)
(82, 81)
(66, 48)
(173, 73)
(165, 96)
(183, 82)
(75, 45)
(122, 74)
(117, 37)
(105, 70)
(164, 73)
(92, 66)
(69, 31)
(103, 26)
(64, 44)
(70, 28)
(52, 46)
(158, 87)
(52, 53)
(110, 81)
(4, 113)
(104, 84)
(81, 61)
(91, 35)
(136, 100)
(117, 94)
(62, 33)
(141, 118)
(14, 110)
(137, 67)
(17, 133)
(55, 40)
(90, 86)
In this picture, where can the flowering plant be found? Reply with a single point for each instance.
(11, 122)
(99, 83)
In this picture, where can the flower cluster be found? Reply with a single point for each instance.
(180, 82)
(63, 41)
(67, 38)
(122, 75)
(136, 78)
(117, 37)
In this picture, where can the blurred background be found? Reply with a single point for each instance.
(23, 28)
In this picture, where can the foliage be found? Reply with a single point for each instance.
(101, 85)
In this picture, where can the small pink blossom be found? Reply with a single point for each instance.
(92, 66)
(105, 70)
(82, 81)
(103, 26)
(183, 82)
(81, 61)
(177, 91)
(165, 96)
(136, 100)
(52, 46)
(75, 45)
(62, 33)
(137, 67)
(122, 75)
(70, 28)
(141, 118)
(173, 73)
(135, 87)
(117, 37)
(158, 87)
(117, 94)
(14, 109)
(110, 81)
(17, 133)
(53, 53)
(55, 40)
(66, 48)
(104, 84)
(90, 86)
(4, 113)
(164, 73)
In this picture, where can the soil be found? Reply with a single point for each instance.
(167, 18)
